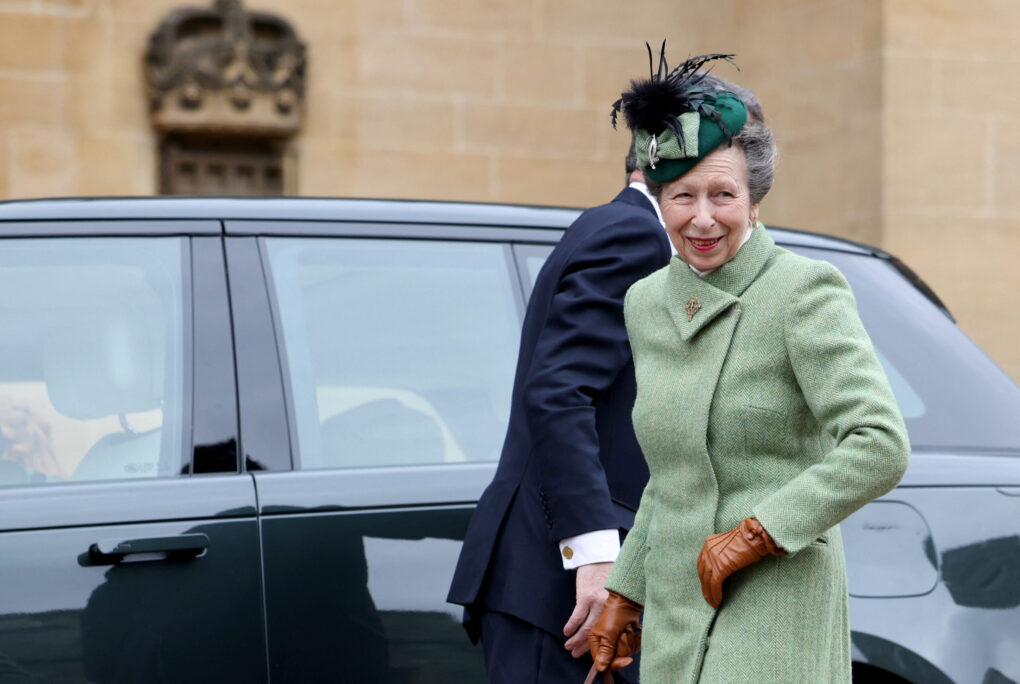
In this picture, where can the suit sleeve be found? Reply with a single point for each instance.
(846, 389)
(579, 352)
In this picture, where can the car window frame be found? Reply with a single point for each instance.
(524, 251)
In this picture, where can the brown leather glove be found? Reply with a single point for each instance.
(723, 554)
(616, 636)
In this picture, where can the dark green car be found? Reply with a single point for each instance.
(240, 441)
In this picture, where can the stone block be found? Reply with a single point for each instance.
(923, 170)
(563, 183)
(618, 23)
(333, 64)
(69, 7)
(501, 16)
(1006, 169)
(834, 31)
(343, 171)
(391, 125)
(426, 64)
(979, 86)
(30, 100)
(744, 8)
(553, 132)
(129, 110)
(828, 183)
(5, 164)
(86, 47)
(126, 47)
(147, 13)
(537, 72)
(42, 162)
(320, 17)
(373, 15)
(986, 27)
(608, 71)
(909, 84)
(89, 104)
(827, 102)
(29, 41)
(116, 163)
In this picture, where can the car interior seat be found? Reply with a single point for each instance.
(384, 432)
(109, 365)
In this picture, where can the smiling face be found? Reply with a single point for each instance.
(708, 210)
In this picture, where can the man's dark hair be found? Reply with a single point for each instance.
(631, 160)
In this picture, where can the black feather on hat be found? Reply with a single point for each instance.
(654, 104)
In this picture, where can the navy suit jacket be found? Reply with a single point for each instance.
(570, 462)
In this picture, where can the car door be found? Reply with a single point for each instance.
(398, 357)
(932, 566)
(128, 536)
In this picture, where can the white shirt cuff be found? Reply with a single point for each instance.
(601, 546)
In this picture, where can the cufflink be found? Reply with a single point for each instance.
(568, 552)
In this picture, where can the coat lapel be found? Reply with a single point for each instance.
(694, 302)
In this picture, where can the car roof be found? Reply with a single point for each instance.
(334, 210)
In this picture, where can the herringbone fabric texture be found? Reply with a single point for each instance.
(768, 402)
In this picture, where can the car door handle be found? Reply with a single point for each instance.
(183, 546)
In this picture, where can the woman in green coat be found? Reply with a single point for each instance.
(762, 410)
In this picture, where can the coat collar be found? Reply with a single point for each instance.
(688, 293)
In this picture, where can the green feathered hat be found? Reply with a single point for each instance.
(676, 120)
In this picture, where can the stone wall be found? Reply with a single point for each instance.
(508, 100)
(951, 159)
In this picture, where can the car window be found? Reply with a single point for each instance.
(397, 352)
(950, 393)
(91, 359)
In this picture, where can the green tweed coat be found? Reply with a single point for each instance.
(769, 402)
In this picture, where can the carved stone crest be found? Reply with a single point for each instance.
(225, 70)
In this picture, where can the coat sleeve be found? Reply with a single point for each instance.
(579, 352)
(627, 578)
(846, 389)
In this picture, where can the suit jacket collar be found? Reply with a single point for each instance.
(694, 302)
(636, 198)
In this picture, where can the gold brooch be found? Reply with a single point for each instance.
(692, 307)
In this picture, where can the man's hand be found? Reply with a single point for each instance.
(591, 597)
(26, 438)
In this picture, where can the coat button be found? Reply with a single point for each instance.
(568, 552)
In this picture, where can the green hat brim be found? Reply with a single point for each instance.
(710, 136)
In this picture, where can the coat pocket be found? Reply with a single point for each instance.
(766, 432)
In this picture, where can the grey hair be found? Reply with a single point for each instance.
(755, 138)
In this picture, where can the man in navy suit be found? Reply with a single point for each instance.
(547, 529)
